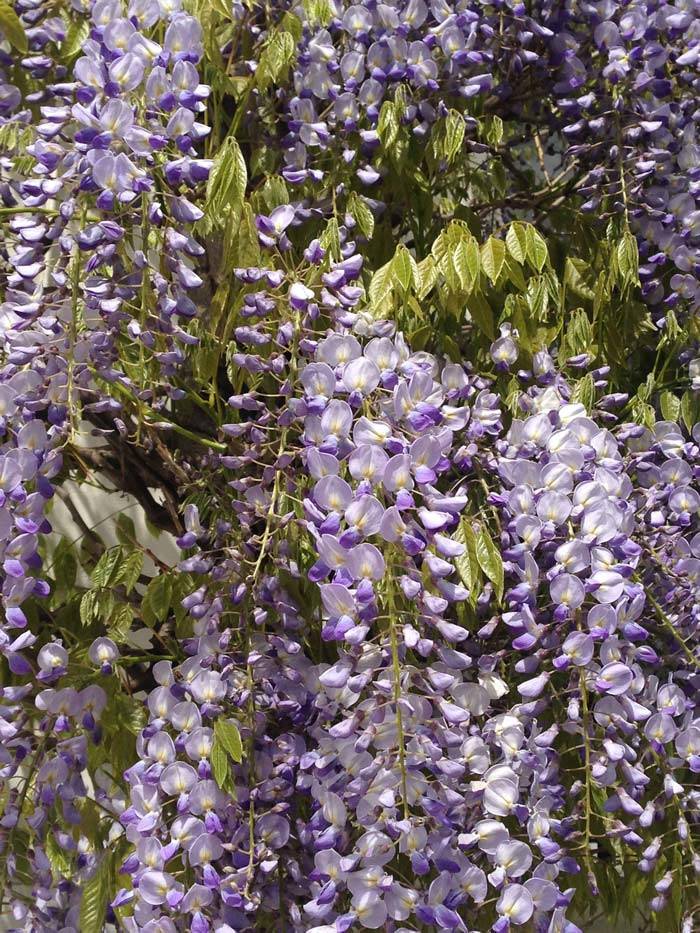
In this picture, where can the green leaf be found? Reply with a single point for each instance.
(126, 530)
(455, 128)
(106, 568)
(494, 130)
(690, 409)
(467, 564)
(493, 254)
(575, 272)
(64, 565)
(88, 607)
(157, 599)
(465, 259)
(402, 268)
(11, 26)
(227, 734)
(584, 392)
(427, 276)
(481, 314)
(58, 856)
(129, 569)
(537, 251)
(76, 34)
(274, 192)
(362, 214)
(381, 285)
(275, 59)
(388, 124)
(628, 259)
(490, 560)
(670, 406)
(120, 622)
(642, 412)
(318, 12)
(219, 763)
(516, 241)
(95, 896)
(227, 182)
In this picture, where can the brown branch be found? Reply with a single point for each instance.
(133, 470)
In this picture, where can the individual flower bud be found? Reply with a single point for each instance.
(103, 651)
(504, 353)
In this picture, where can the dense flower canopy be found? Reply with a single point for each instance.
(387, 315)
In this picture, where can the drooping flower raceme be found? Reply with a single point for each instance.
(428, 658)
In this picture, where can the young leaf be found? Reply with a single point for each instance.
(427, 276)
(493, 254)
(481, 314)
(494, 131)
(576, 272)
(227, 182)
(670, 406)
(95, 896)
(65, 565)
(126, 530)
(76, 34)
(628, 259)
(388, 125)
(381, 285)
(584, 392)
(468, 564)
(490, 560)
(463, 262)
(157, 599)
(227, 734)
(276, 57)
(362, 214)
(129, 569)
(58, 856)
(88, 607)
(516, 241)
(690, 409)
(11, 26)
(120, 622)
(106, 568)
(330, 239)
(537, 251)
(402, 268)
(219, 763)
(318, 12)
(473, 258)
(455, 128)
(274, 192)
(514, 273)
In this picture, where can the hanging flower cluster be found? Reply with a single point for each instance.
(427, 741)
(429, 657)
(628, 85)
(439, 57)
(611, 89)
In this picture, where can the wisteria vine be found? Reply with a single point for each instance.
(340, 294)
